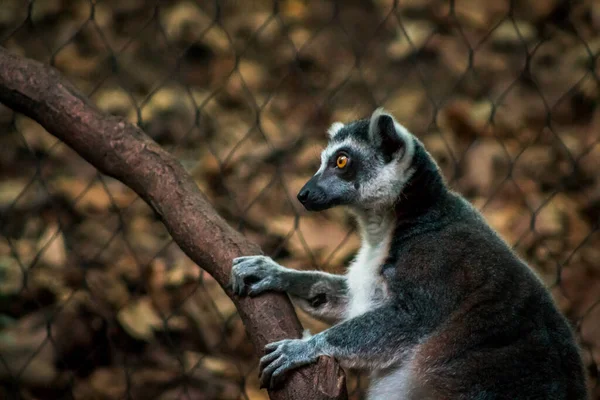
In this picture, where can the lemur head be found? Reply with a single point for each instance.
(365, 166)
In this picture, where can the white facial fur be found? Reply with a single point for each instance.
(391, 179)
(332, 149)
(387, 180)
(334, 129)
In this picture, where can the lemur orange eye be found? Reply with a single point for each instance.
(341, 161)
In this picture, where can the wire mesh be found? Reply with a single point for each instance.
(97, 302)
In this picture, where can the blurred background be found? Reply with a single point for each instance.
(97, 302)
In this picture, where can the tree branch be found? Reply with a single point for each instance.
(123, 151)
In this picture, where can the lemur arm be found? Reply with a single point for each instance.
(320, 294)
(376, 339)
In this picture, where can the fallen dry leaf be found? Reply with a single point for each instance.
(139, 319)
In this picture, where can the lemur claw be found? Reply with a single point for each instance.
(281, 357)
(253, 275)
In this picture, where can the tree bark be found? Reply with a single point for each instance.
(123, 151)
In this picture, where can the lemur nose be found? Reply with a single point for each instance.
(303, 195)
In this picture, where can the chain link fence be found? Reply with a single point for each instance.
(97, 302)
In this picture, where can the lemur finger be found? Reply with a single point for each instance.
(265, 375)
(245, 269)
(266, 360)
(258, 288)
(242, 279)
(278, 376)
(233, 283)
(238, 287)
(273, 346)
(254, 293)
(242, 287)
(238, 284)
(245, 265)
(238, 260)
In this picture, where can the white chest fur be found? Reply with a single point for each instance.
(366, 286)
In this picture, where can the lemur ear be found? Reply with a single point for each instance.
(383, 133)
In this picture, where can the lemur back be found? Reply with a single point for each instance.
(435, 305)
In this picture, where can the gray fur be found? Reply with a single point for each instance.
(436, 305)
(323, 296)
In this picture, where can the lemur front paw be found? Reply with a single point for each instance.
(253, 275)
(284, 356)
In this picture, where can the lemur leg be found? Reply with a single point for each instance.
(376, 339)
(321, 295)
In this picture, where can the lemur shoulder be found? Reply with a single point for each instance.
(436, 305)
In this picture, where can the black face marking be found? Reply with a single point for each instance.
(357, 130)
(347, 173)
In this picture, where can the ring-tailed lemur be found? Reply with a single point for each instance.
(436, 305)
